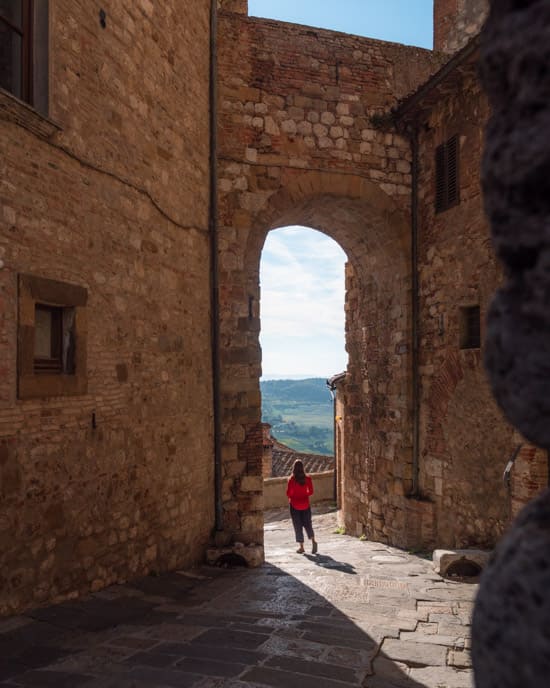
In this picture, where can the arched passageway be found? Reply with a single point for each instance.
(302, 338)
(373, 231)
(300, 143)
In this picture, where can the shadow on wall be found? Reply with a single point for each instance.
(259, 626)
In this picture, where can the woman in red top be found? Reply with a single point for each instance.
(298, 490)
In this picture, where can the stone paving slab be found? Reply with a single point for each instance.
(357, 614)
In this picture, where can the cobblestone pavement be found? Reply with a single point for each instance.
(356, 614)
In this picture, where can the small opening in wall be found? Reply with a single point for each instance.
(230, 560)
(470, 327)
(464, 570)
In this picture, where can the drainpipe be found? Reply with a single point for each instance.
(214, 277)
(415, 318)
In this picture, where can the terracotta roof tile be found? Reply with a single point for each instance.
(284, 458)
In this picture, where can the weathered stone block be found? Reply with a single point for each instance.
(252, 483)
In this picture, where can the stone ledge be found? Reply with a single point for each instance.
(444, 558)
(251, 555)
(14, 110)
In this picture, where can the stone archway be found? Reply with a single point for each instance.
(302, 139)
(373, 231)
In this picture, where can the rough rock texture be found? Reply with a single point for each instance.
(511, 632)
(516, 184)
(511, 638)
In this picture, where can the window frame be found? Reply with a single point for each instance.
(27, 53)
(30, 108)
(40, 291)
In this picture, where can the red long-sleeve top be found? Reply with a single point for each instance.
(298, 495)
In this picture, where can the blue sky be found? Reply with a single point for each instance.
(302, 271)
(302, 304)
(402, 21)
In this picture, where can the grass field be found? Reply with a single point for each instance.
(305, 414)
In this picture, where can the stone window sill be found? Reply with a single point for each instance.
(14, 110)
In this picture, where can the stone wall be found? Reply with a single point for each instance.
(275, 490)
(300, 143)
(465, 441)
(376, 467)
(116, 482)
(456, 21)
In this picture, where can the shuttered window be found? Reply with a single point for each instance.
(447, 184)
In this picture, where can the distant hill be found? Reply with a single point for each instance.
(312, 389)
(300, 413)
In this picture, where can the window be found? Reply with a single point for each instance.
(24, 50)
(470, 327)
(51, 338)
(447, 187)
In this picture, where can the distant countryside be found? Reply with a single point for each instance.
(300, 413)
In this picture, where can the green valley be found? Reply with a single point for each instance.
(300, 413)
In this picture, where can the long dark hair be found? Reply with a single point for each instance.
(298, 472)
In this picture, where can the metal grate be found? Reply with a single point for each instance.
(447, 184)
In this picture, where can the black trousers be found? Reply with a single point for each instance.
(301, 519)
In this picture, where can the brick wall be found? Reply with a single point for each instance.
(465, 442)
(117, 482)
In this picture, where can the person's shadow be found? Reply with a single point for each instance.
(327, 562)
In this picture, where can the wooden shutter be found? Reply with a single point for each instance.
(447, 184)
(440, 194)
